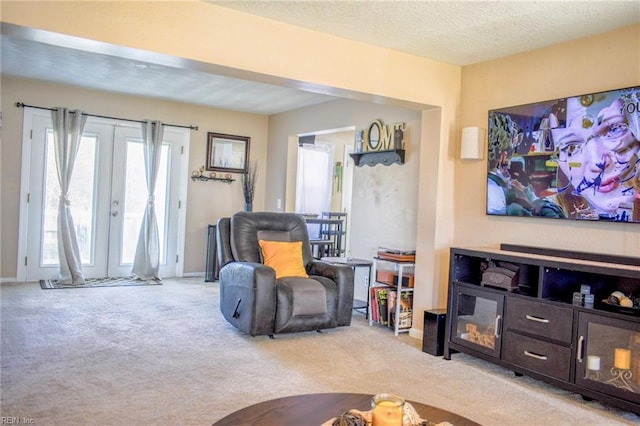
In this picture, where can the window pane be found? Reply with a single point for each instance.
(81, 195)
(135, 200)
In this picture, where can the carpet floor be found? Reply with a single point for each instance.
(164, 355)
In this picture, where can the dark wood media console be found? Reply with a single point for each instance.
(542, 328)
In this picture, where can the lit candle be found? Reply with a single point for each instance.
(593, 363)
(387, 410)
(622, 359)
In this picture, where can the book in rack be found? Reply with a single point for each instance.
(383, 307)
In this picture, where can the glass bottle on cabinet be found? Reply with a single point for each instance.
(609, 356)
(477, 319)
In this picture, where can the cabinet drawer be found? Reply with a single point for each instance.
(542, 357)
(539, 319)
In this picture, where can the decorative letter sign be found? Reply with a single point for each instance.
(381, 137)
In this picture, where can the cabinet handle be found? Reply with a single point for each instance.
(536, 356)
(537, 319)
(496, 326)
(580, 348)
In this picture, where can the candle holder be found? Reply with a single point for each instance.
(387, 410)
(621, 379)
(594, 375)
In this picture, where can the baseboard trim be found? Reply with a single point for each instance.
(416, 333)
(6, 280)
(193, 274)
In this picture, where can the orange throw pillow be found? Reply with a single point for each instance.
(284, 257)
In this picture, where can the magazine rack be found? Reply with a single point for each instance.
(396, 309)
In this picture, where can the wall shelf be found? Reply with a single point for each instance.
(205, 178)
(371, 158)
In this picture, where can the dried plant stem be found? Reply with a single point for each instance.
(249, 182)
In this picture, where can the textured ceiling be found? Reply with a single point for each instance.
(457, 32)
(92, 70)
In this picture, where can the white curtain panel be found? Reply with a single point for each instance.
(147, 258)
(67, 133)
(314, 178)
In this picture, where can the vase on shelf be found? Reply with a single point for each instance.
(248, 207)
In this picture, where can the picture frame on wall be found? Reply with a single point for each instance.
(227, 153)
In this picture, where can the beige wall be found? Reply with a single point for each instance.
(274, 51)
(206, 201)
(450, 194)
(608, 61)
(269, 51)
(384, 197)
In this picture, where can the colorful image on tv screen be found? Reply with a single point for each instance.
(573, 158)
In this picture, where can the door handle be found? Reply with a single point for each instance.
(580, 349)
(536, 356)
(496, 326)
(537, 319)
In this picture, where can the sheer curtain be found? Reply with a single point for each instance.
(67, 133)
(314, 178)
(147, 258)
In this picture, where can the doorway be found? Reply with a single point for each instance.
(108, 195)
(325, 187)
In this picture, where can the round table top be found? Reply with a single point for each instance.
(316, 409)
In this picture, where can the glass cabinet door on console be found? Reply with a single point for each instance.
(608, 357)
(477, 321)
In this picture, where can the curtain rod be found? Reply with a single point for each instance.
(23, 105)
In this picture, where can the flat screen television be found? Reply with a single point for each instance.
(573, 158)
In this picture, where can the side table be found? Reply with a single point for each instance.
(354, 263)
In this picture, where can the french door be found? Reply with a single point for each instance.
(108, 196)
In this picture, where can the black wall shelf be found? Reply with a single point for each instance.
(371, 158)
(205, 178)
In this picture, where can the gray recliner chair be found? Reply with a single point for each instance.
(254, 301)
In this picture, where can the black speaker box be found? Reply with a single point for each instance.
(433, 331)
